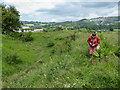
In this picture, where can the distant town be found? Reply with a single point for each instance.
(27, 29)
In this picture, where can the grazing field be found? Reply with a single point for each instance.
(59, 59)
(29, 24)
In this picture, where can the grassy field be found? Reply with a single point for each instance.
(29, 24)
(53, 60)
(0, 59)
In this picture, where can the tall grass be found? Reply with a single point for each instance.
(59, 60)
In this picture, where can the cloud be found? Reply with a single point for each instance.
(66, 9)
(76, 9)
(62, 10)
(28, 7)
(99, 4)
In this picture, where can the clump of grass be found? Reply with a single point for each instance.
(73, 36)
(53, 51)
(66, 45)
(12, 58)
(27, 37)
(50, 44)
(117, 51)
(61, 38)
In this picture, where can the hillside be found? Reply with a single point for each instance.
(59, 60)
(107, 19)
(91, 24)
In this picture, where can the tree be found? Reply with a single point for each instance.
(10, 19)
(0, 18)
(59, 28)
(111, 29)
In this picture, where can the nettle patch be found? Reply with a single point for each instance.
(13, 58)
(106, 48)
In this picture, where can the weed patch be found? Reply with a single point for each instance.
(12, 58)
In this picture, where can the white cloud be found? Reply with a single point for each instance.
(113, 11)
(70, 18)
(92, 15)
(30, 7)
(53, 20)
(28, 10)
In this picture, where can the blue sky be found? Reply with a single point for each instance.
(63, 10)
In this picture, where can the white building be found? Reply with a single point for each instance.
(37, 30)
(25, 27)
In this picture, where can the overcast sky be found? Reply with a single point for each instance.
(63, 10)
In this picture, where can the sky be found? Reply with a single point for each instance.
(63, 10)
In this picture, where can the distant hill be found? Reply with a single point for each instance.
(107, 19)
(91, 24)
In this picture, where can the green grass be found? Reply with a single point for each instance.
(29, 24)
(0, 59)
(47, 67)
(42, 24)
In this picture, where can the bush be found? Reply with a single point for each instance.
(12, 58)
(45, 31)
(105, 48)
(15, 34)
(83, 30)
(117, 51)
(111, 29)
(27, 37)
(73, 36)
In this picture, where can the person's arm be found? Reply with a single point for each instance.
(98, 41)
(89, 41)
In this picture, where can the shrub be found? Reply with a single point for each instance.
(83, 30)
(12, 58)
(14, 35)
(111, 29)
(27, 37)
(117, 51)
(45, 31)
(105, 48)
(21, 36)
(73, 36)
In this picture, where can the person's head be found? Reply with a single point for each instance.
(94, 35)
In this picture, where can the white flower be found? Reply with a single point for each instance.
(74, 84)
(45, 75)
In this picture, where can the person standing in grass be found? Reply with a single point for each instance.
(93, 41)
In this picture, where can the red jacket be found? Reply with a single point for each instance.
(92, 40)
